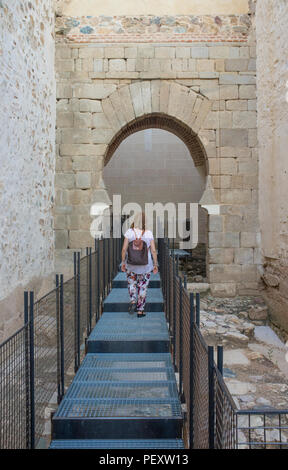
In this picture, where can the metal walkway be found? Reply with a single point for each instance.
(124, 395)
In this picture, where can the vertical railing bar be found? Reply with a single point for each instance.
(211, 397)
(32, 371)
(27, 385)
(220, 359)
(75, 310)
(191, 399)
(78, 309)
(90, 289)
(198, 309)
(62, 373)
(58, 340)
(180, 338)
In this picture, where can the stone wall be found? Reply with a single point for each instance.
(27, 152)
(210, 88)
(273, 143)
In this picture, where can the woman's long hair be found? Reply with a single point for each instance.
(139, 221)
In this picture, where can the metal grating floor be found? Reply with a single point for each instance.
(127, 360)
(124, 375)
(122, 390)
(117, 444)
(114, 326)
(116, 408)
(118, 300)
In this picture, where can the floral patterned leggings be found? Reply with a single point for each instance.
(137, 286)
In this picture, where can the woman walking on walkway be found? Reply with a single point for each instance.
(138, 274)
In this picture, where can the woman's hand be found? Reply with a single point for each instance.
(123, 267)
(155, 270)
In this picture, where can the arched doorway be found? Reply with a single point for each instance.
(157, 159)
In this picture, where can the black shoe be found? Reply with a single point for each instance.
(139, 315)
(131, 307)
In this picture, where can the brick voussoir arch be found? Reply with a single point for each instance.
(157, 104)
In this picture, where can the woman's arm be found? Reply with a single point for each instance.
(154, 256)
(123, 254)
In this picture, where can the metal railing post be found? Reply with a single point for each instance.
(75, 310)
(191, 389)
(32, 371)
(181, 339)
(78, 310)
(108, 266)
(62, 373)
(98, 279)
(104, 270)
(174, 312)
(90, 289)
(220, 359)
(211, 397)
(58, 339)
(198, 309)
(27, 381)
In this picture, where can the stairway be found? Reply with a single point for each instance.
(124, 395)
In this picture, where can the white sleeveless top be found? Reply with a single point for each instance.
(146, 237)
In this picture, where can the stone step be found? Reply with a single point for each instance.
(124, 333)
(119, 299)
(117, 444)
(120, 281)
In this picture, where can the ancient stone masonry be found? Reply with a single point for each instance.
(27, 151)
(154, 28)
(105, 92)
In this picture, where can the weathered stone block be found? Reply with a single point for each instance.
(91, 106)
(117, 65)
(82, 149)
(248, 239)
(230, 78)
(80, 239)
(99, 121)
(93, 91)
(146, 52)
(221, 255)
(236, 105)
(223, 289)
(64, 180)
(236, 196)
(219, 52)
(243, 256)
(234, 137)
(183, 52)
(114, 52)
(228, 92)
(102, 136)
(247, 92)
(130, 52)
(64, 119)
(91, 52)
(205, 65)
(164, 52)
(61, 239)
(83, 180)
(76, 136)
(64, 65)
(63, 90)
(245, 119)
(199, 52)
(82, 120)
(236, 65)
